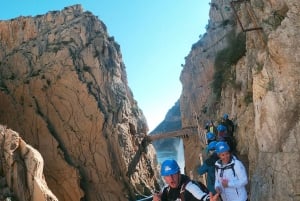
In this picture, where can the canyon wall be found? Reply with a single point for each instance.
(259, 89)
(64, 89)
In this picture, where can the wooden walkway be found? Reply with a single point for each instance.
(179, 133)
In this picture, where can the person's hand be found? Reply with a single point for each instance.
(218, 190)
(157, 197)
(225, 183)
(213, 197)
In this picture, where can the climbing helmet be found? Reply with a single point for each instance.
(222, 147)
(212, 145)
(169, 167)
(210, 136)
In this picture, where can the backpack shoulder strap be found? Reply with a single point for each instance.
(231, 166)
(182, 189)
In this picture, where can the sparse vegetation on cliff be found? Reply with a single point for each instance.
(226, 58)
(275, 19)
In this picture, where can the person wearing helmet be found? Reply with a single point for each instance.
(231, 176)
(230, 138)
(224, 135)
(222, 132)
(207, 127)
(210, 127)
(212, 146)
(204, 153)
(228, 123)
(179, 186)
(208, 167)
(210, 137)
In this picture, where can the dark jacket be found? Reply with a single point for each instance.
(192, 191)
(229, 125)
(209, 168)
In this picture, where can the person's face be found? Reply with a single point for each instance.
(172, 180)
(225, 157)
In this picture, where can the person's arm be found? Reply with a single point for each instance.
(241, 178)
(218, 185)
(194, 192)
(161, 195)
(202, 169)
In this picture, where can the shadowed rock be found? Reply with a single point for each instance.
(22, 170)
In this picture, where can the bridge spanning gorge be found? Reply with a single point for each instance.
(179, 133)
(184, 132)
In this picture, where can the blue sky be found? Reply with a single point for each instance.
(155, 36)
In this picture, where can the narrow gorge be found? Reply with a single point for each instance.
(70, 126)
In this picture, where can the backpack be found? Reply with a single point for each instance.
(231, 166)
(198, 183)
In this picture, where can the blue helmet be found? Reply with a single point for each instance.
(221, 128)
(210, 136)
(222, 147)
(212, 145)
(225, 116)
(169, 167)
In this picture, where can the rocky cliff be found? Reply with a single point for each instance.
(247, 65)
(63, 88)
(22, 176)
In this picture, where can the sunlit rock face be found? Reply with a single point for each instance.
(63, 87)
(261, 93)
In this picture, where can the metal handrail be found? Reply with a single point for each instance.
(146, 198)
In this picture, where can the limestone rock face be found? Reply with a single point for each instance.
(197, 103)
(261, 93)
(22, 166)
(63, 87)
(276, 98)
